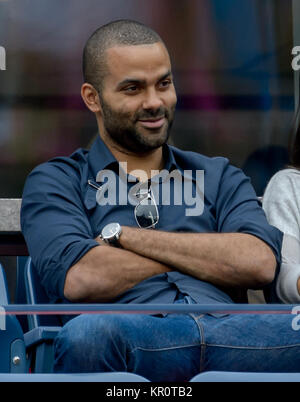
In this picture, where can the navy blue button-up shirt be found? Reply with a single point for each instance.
(60, 218)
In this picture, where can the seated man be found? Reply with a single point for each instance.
(134, 220)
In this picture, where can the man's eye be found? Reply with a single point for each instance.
(165, 83)
(132, 88)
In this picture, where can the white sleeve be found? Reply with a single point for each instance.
(280, 203)
(286, 285)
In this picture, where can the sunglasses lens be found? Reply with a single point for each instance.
(146, 213)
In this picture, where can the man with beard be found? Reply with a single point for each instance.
(86, 250)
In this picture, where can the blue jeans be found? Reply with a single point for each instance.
(176, 347)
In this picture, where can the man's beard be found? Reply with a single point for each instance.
(122, 129)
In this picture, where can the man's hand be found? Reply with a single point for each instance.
(224, 259)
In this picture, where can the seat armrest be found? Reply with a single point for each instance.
(39, 335)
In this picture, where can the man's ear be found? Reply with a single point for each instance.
(91, 97)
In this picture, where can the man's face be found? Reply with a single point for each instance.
(138, 98)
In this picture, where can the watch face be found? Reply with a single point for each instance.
(110, 230)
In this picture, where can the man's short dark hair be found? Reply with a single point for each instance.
(115, 33)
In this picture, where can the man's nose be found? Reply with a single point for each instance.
(152, 100)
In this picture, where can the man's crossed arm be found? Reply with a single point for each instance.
(224, 259)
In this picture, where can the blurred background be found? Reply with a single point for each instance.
(231, 63)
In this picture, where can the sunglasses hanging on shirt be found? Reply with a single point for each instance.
(146, 211)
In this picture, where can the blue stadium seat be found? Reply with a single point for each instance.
(12, 346)
(4, 295)
(42, 329)
(226, 376)
(35, 294)
(84, 377)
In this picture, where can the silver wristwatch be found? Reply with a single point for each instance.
(111, 234)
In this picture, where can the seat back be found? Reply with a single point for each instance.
(39, 329)
(35, 294)
(20, 291)
(228, 376)
(4, 296)
(12, 346)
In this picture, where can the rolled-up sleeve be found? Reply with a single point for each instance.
(238, 210)
(55, 224)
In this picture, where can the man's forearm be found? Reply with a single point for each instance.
(225, 259)
(105, 272)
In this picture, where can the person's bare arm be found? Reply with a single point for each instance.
(105, 272)
(224, 259)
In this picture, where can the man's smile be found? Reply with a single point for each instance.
(153, 123)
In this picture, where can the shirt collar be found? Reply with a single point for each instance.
(100, 157)
(170, 163)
